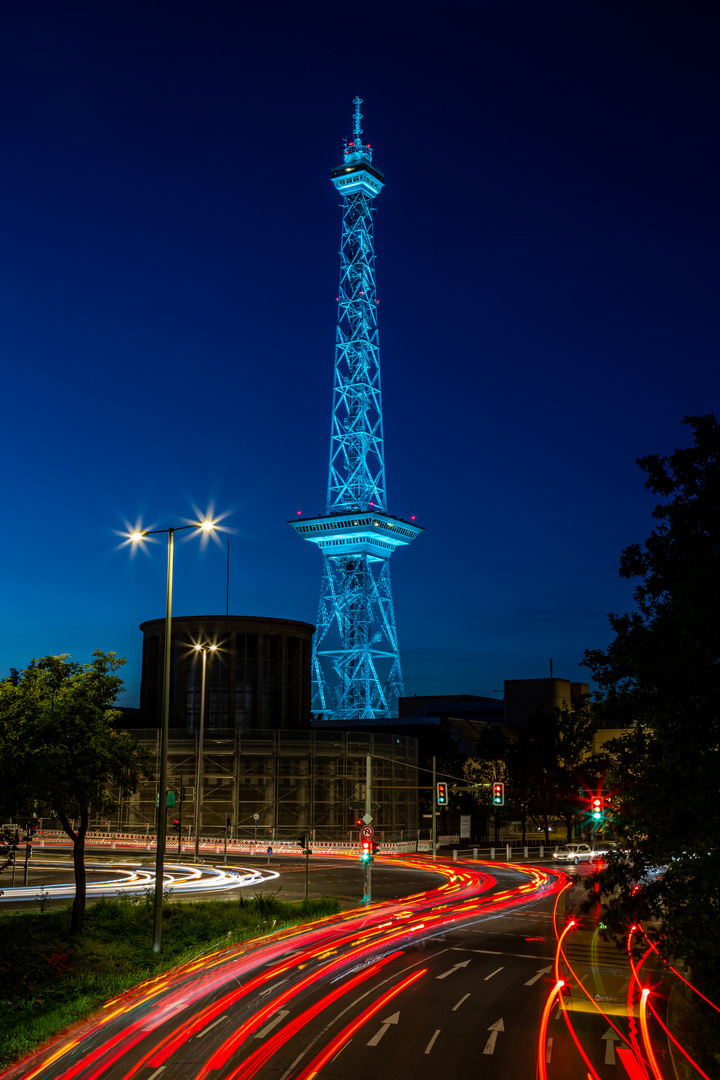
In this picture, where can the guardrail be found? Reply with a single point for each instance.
(248, 846)
(506, 852)
(244, 845)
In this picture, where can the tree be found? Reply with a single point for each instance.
(487, 766)
(60, 751)
(530, 768)
(438, 743)
(661, 674)
(569, 731)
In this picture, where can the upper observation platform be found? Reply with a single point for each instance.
(357, 172)
(358, 533)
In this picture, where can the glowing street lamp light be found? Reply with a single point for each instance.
(136, 537)
(204, 649)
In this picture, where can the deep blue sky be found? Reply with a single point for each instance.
(548, 280)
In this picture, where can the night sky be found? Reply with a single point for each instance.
(547, 269)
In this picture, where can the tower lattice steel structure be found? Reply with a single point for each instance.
(356, 661)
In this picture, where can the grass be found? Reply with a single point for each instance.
(48, 980)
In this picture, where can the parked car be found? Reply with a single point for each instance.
(573, 853)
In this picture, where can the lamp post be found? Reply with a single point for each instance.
(204, 649)
(136, 537)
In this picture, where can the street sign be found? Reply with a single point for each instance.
(256, 816)
(367, 818)
(367, 832)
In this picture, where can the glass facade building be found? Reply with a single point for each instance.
(264, 769)
(294, 781)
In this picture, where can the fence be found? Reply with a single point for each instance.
(243, 845)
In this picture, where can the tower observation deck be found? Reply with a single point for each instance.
(356, 661)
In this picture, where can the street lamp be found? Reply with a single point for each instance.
(136, 537)
(204, 649)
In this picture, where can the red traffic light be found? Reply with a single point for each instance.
(498, 796)
(442, 794)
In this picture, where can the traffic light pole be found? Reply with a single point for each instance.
(182, 790)
(28, 851)
(434, 812)
(307, 866)
(367, 880)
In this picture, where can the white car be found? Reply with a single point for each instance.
(574, 853)
(602, 848)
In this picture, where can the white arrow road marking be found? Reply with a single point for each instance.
(282, 1013)
(394, 1019)
(612, 1037)
(156, 1073)
(495, 972)
(463, 963)
(429, 1046)
(541, 972)
(460, 1002)
(497, 952)
(209, 1027)
(493, 1029)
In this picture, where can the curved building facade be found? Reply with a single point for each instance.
(258, 677)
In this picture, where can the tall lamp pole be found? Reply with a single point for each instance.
(206, 526)
(204, 649)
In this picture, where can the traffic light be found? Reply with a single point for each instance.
(374, 848)
(498, 793)
(358, 822)
(597, 808)
(442, 794)
(176, 824)
(366, 850)
(304, 843)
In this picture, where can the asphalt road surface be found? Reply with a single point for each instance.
(454, 982)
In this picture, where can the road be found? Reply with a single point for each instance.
(457, 980)
(51, 879)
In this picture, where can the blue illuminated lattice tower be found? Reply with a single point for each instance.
(356, 662)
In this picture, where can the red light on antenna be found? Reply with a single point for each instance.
(412, 517)
(299, 513)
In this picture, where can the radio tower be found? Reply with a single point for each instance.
(356, 662)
